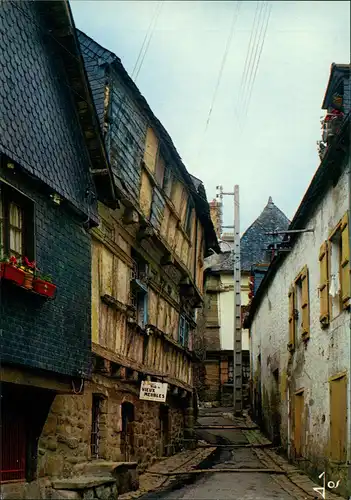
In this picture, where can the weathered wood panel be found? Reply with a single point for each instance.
(151, 149)
(165, 223)
(95, 291)
(145, 198)
(172, 231)
(177, 193)
(157, 208)
(106, 271)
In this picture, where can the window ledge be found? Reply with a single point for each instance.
(28, 290)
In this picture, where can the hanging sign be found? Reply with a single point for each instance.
(153, 391)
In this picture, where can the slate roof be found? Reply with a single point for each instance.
(254, 242)
(104, 58)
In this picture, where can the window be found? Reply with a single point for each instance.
(324, 285)
(96, 426)
(139, 290)
(299, 309)
(291, 344)
(183, 337)
(160, 170)
(167, 182)
(188, 217)
(338, 418)
(230, 370)
(16, 223)
(335, 271)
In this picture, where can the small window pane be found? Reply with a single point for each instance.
(15, 216)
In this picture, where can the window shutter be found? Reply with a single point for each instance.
(305, 304)
(324, 284)
(291, 343)
(345, 262)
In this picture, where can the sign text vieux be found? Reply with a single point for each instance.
(153, 391)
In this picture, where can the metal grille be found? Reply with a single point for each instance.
(13, 447)
(95, 426)
(230, 371)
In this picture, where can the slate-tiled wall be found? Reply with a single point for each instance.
(50, 335)
(39, 127)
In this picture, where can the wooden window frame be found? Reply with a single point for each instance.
(188, 217)
(10, 195)
(324, 279)
(341, 229)
(183, 338)
(303, 279)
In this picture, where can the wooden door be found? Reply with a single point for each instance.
(298, 422)
(338, 418)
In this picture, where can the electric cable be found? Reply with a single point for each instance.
(253, 51)
(221, 69)
(247, 104)
(248, 51)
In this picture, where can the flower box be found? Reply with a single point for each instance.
(12, 273)
(44, 287)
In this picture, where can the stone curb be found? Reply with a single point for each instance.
(153, 482)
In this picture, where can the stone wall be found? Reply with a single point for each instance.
(313, 364)
(65, 440)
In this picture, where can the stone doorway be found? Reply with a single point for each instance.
(127, 441)
(164, 431)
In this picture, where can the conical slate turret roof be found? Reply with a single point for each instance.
(254, 242)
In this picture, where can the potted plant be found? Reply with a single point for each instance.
(9, 270)
(28, 268)
(43, 285)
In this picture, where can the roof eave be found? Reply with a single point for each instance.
(300, 217)
(61, 19)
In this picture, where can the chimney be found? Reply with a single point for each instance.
(216, 216)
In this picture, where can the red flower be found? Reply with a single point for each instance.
(13, 260)
(27, 263)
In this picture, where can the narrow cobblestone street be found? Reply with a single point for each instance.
(235, 485)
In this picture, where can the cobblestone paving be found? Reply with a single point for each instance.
(223, 486)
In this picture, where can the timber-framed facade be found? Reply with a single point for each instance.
(147, 274)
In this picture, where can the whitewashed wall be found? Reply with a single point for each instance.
(327, 351)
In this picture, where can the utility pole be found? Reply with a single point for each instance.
(237, 347)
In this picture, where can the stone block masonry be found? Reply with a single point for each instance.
(66, 437)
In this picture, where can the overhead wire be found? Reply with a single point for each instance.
(248, 100)
(252, 50)
(154, 22)
(248, 51)
(144, 42)
(221, 70)
(123, 103)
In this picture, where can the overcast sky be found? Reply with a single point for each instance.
(276, 154)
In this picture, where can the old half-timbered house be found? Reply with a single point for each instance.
(50, 141)
(147, 269)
